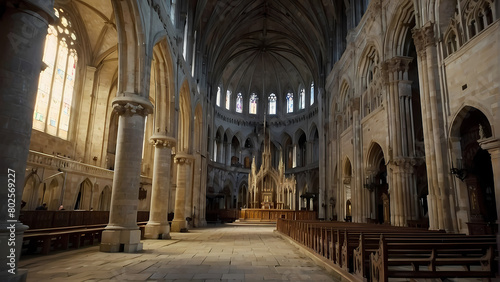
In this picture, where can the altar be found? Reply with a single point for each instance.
(269, 188)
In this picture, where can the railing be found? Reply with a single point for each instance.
(275, 214)
(67, 165)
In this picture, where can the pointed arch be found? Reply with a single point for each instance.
(198, 128)
(184, 131)
(83, 196)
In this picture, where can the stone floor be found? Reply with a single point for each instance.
(229, 252)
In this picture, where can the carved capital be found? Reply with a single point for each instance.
(162, 141)
(424, 37)
(132, 104)
(398, 64)
(405, 164)
(355, 104)
(181, 158)
(347, 180)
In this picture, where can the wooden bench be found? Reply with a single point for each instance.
(61, 237)
(349, 240)
(369, 243)
(467, 257)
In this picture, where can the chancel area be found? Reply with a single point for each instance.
(123, 121)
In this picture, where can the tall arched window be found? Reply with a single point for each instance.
(253, 104)
(56, 84)
(272, 104)
(228, 99)
(312, 93)
(239, 103)
(302, 99)
(217, 98)
(289, 102)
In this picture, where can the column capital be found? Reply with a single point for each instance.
(355, 104)
(132, 104)
(162, 140)
(490, 144)
(424, 37)
(405, 164)
(183, 158)
(398, 64)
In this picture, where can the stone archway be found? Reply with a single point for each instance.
(472, 167)
(376, 182)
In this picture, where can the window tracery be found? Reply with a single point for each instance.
(289, 102)
(253, 104)
(56, 85)
(272, 104)
(239, 103)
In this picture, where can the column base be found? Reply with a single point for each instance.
(178, 225)
(116, 240)
(157, 231)
(20, 276)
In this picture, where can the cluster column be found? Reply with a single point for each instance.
(23, 28)
(404, 191)
(157, 226)
(122, 233)
(440, 200)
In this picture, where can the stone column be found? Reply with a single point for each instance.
(358, 198)
(122, 233)
(492, 145)
(23, 28)
(403, 186)
(158, 227)
(183, 162)
(440, 198)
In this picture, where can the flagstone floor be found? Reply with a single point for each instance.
(228, 252)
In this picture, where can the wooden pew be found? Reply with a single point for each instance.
(467, 257)
(61, 237)
(369, 243)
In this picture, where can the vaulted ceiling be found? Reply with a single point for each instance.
(265, 46)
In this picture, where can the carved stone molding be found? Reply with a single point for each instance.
(132, 104)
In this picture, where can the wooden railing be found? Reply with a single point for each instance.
(275, 214)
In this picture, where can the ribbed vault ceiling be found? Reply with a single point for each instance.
(265, 46)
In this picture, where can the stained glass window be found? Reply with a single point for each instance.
(302, 99)
(239, 103)
(289, 102)
(217, 98)
(312, 93)
(253, 104)
(272, 104)
(56, 83)
(228, 99)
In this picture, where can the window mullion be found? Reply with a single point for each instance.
(47, 119)
(65, 80)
